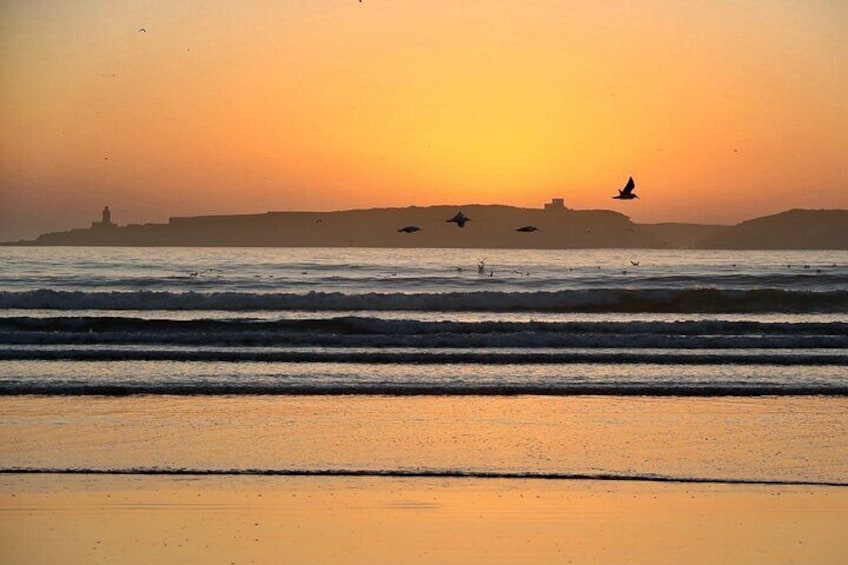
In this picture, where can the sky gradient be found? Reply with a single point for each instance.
(722, 111)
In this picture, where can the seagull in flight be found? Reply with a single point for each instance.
(626, 193)
(142, 30)
(460, 219)
(409, 229)
(527, 229)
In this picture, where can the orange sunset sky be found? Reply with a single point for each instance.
(721, 110)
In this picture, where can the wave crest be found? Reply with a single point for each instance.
(699, 300)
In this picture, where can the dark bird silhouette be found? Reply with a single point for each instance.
(626, 193)
(527, 229)
(142, 30)
(460, 219)
(409, 229)
(634, 263)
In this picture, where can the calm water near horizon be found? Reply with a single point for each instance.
(395, 360)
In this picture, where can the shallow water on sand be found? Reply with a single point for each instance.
(783, 439)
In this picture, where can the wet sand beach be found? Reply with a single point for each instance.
(130, 519)
(196, 509)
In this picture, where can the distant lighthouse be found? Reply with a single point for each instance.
(106, 220)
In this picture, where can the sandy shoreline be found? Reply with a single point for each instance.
(134, 519)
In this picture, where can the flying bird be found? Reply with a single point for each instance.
(409, 229)
(626, 193)
(142, 30)
(527, 229)
(460, 219)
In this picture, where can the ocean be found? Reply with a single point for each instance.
(699, 366)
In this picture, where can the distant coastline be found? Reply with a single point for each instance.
(490, 226)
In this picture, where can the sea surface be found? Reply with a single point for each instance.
(616, 364)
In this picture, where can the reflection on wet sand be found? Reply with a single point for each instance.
(73, 519)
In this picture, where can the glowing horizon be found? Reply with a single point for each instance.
(720, 112)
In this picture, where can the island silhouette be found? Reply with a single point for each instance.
(483, 226)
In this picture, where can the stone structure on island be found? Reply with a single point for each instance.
(556, 205)
(106, 220)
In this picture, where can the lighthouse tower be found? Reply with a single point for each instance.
(106, 222)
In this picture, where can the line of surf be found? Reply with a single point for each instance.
(524, 340)
(420, 473)
(711, 300)
(439, 356)
(402, 389)
(365, 325)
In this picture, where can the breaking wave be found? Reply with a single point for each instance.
(708, 300)
(419, 357)
(364, 331)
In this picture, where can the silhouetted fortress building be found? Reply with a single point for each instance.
(556, 205)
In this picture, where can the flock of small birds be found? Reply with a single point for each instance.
(461, 219)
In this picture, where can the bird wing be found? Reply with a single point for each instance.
(628, 188)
